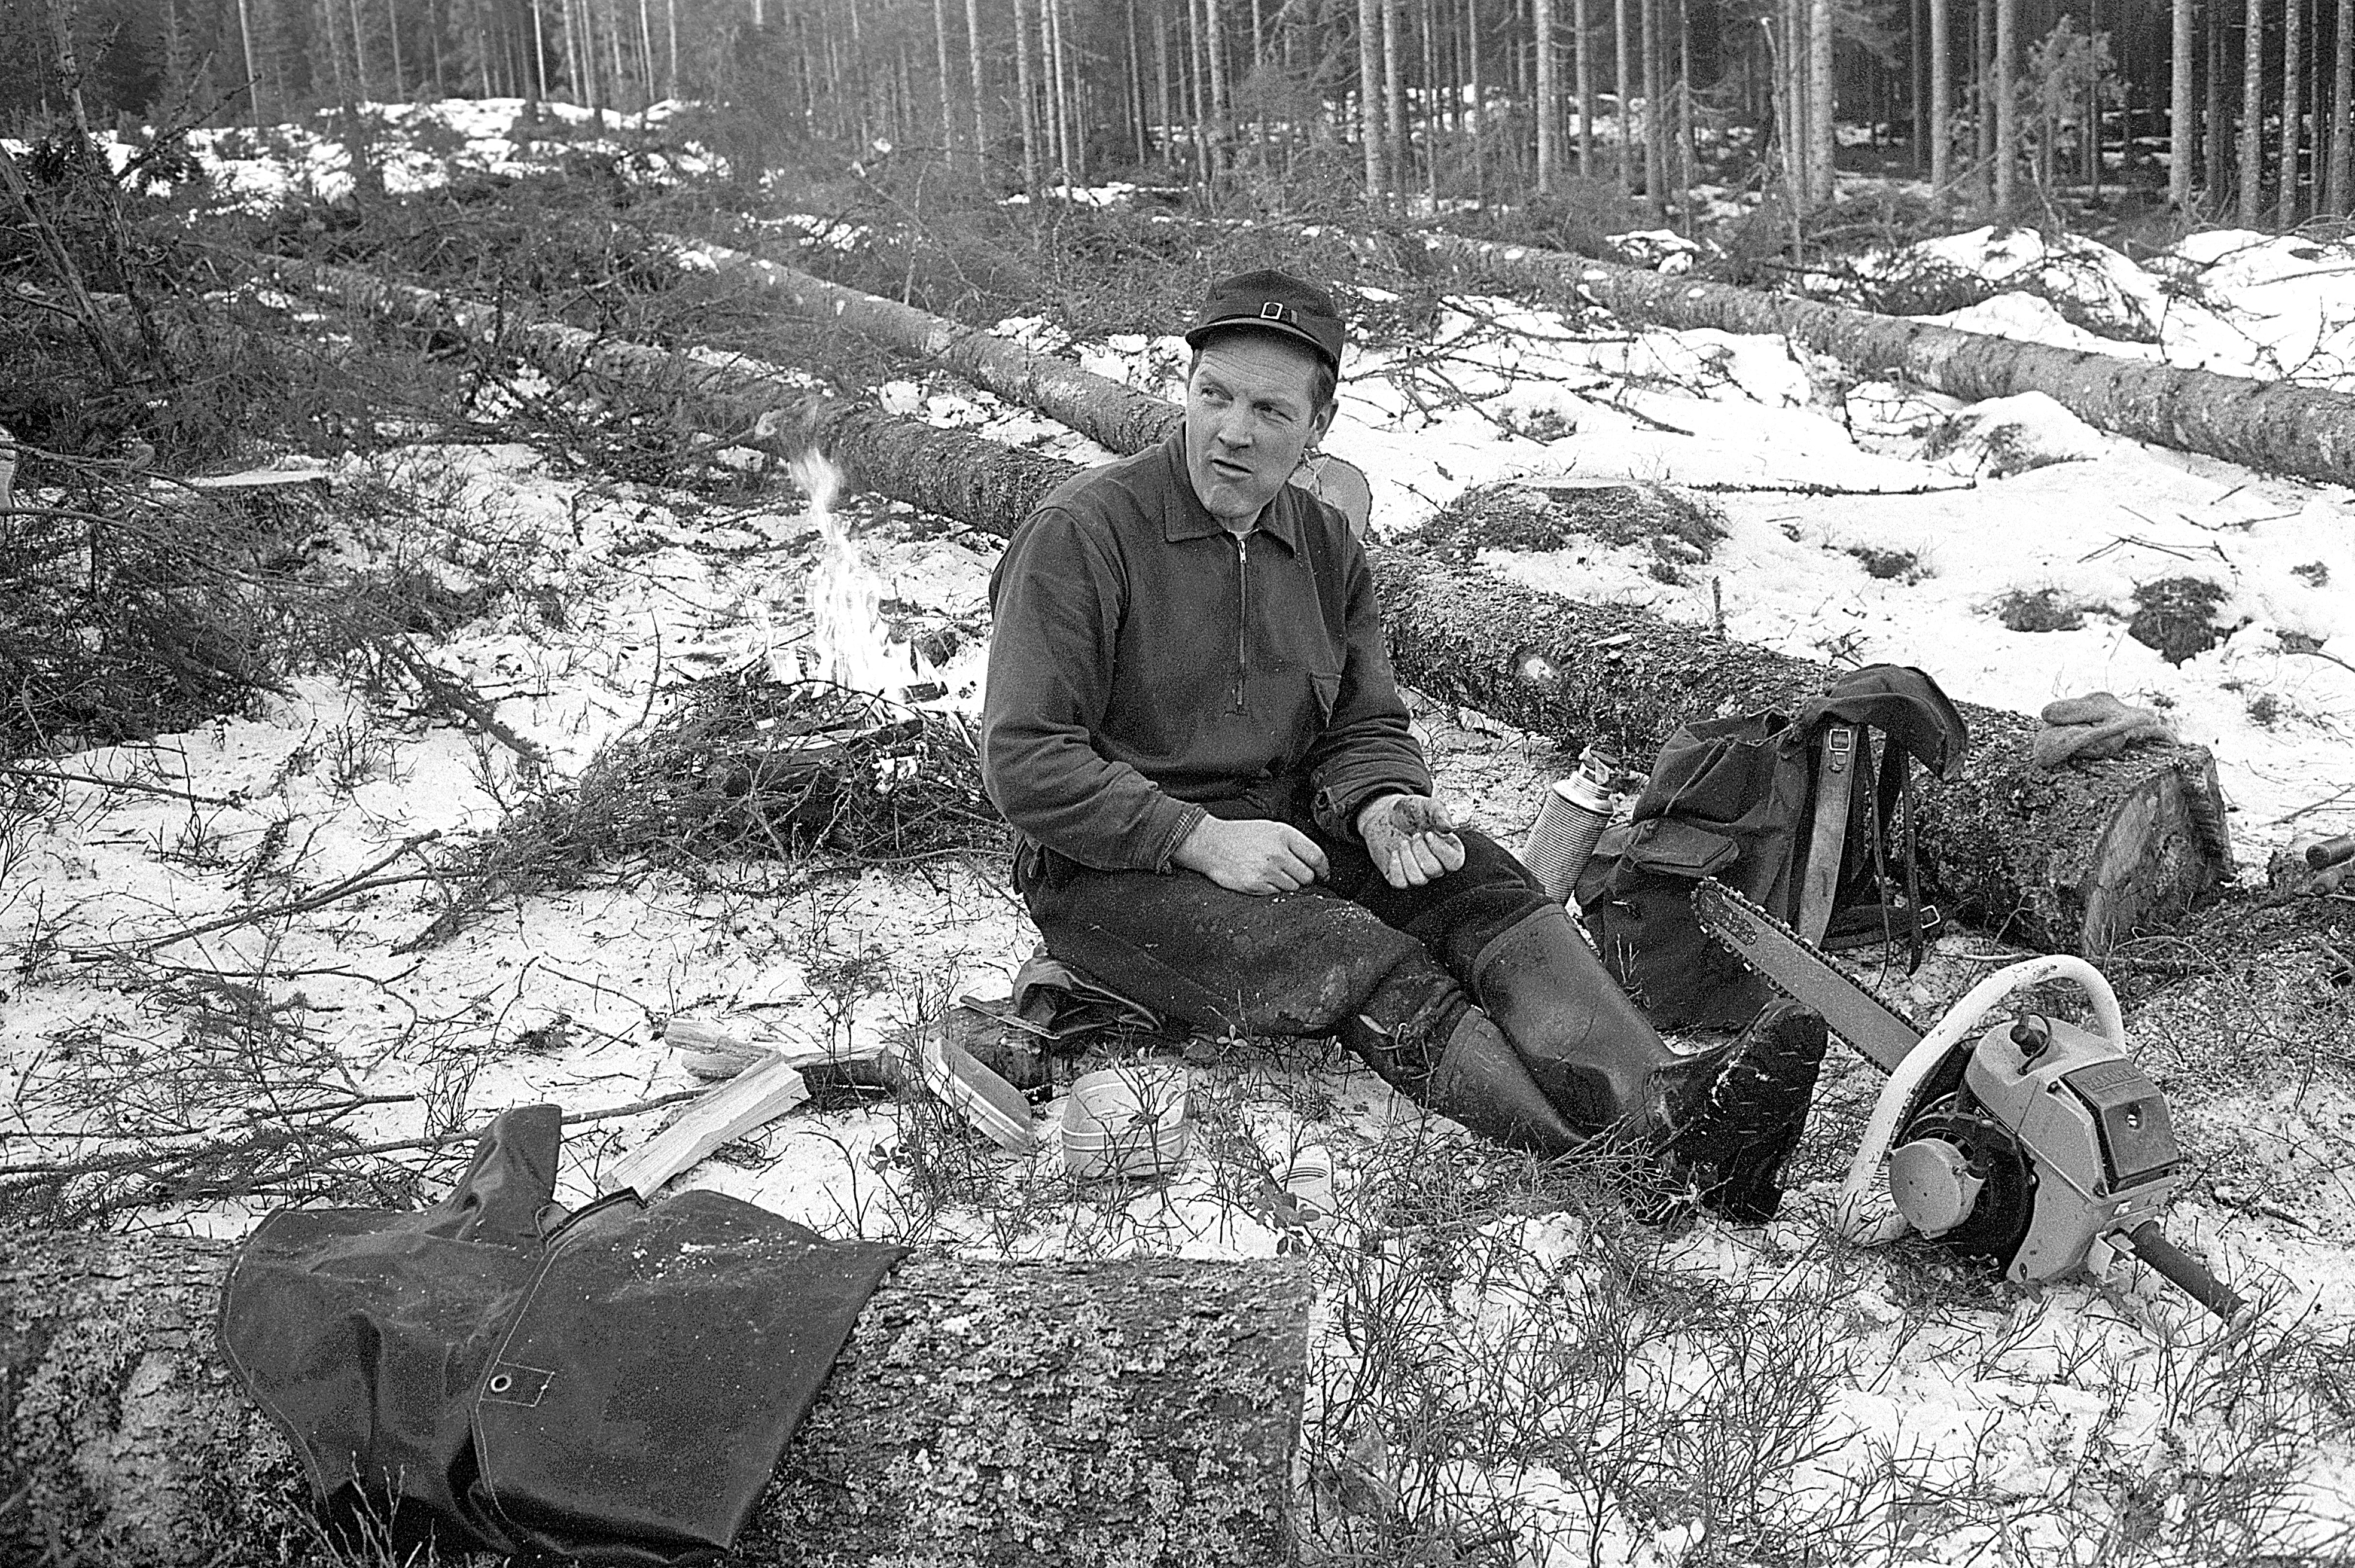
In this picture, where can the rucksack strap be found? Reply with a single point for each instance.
(1836, 769)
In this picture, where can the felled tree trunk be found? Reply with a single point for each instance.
(940, 472)
(2272, 425)
(1138, 1412)
(2066, 861)
(2071, 861)
(1105, 411)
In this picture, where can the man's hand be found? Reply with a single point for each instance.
(1411, 838)
(1253, 856)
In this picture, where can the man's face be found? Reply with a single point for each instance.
(1249, 415)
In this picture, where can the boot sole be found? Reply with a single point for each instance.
(1730, 1154)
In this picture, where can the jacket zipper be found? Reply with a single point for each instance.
(1242, 612)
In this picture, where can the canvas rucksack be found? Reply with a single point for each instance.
(1809, 815)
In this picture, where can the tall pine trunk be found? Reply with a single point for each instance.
(1655, 174)
(2181, 114)
(1623, 67)
(1164, 85)
(1394, 97)
(973, 64)
(1982, 127)
(1478, 111)
(2294, 63)
(1430, 105)
(1052, 39)
(2342, 89)
(252, 78)
(2092, 138)
(360, 49)
(1548, 106)
(1941, 132)
(1822, 151)
(2253, 113)
(1138, 117)
(1581, 22)
(2007, 105)
(1214, 43)
(1023, 90)
(1688, 141)
(941, 65)
(1369, 93)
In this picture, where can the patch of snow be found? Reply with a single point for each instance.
(2005, 435)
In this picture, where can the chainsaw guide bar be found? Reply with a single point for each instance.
(1775, 953)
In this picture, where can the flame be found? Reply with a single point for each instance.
(848, 644)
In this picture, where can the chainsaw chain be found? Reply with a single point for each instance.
(1753, 911)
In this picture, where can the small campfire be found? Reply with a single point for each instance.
(850, 747)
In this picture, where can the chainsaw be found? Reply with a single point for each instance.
(2037, 1147)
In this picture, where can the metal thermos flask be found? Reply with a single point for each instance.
(1577, 809)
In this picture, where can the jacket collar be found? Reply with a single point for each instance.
(1184, 517)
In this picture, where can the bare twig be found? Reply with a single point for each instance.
(61, 262)
(454, 696)
(19, 770)
(359, 882)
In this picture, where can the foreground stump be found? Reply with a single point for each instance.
(1138, 1412)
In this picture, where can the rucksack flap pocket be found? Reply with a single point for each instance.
(1677, 848)
(1635, 897)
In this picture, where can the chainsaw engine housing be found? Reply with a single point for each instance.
(2051, 1139)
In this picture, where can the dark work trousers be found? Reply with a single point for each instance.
(1287, 963)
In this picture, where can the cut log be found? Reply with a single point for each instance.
(1134, 1413)
(2275, 426)
(2067, 861)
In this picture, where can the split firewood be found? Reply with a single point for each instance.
(751, 1100)
(723, 1047)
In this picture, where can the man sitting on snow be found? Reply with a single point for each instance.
(1191, 721)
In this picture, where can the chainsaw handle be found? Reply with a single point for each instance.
(2187, 1273)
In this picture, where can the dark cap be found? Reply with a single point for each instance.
(1273, 301)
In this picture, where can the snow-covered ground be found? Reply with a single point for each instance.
(2077, 1424)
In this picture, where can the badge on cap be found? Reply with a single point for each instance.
(1276, 310)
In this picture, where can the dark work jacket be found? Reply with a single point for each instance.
(1148, 667)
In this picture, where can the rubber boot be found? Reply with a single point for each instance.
(1428, 1041)
(1732, 1115)
(1719, 1123)
(1588, 1046)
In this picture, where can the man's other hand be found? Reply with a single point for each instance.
(1253, 856)
(1411, 838)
